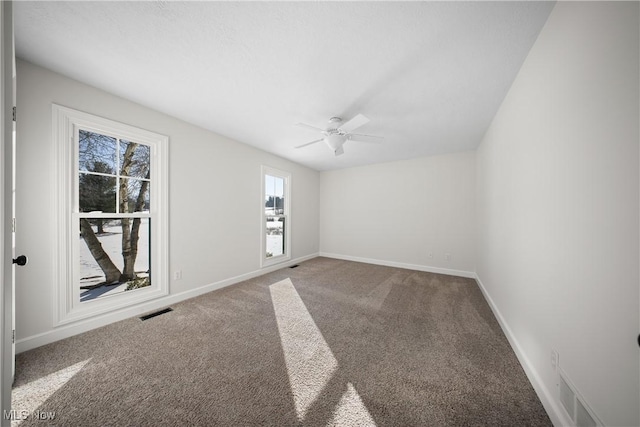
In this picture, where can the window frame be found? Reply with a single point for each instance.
(286, 256)
(66, 124)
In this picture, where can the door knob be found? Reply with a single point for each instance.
(21, 260)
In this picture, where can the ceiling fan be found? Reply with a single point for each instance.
(339, 132)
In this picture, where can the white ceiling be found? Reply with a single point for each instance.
(429, 75)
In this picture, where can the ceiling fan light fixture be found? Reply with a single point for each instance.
(335, 140)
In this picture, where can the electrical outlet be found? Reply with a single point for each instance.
(430, 255)
(447, 256)
(555, 359)
(177, 275)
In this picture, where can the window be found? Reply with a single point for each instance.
(276, 221)
(112, 212)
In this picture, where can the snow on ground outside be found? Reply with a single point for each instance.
(274, 241)
(90, 272)
(274, 245)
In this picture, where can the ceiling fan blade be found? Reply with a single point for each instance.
(354, 123)
(339, 151)
(366, 141)
(304, 125)
(308, 143)
(373, 139)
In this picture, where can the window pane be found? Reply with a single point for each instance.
(269, 206)
(275, 236)
(279, 193)
(134, 195)
(279, 187)
(96, 153)
(110, 237)
(97, 193)
(135, 159)
(269, 182)
(279, 205)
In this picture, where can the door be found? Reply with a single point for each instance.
(7, 152)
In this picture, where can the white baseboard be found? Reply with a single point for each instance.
(557, 415)
(417, 267)
(81, 326)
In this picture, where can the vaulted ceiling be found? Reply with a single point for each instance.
(430, 76)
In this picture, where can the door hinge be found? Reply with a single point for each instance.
(14, 114)
(13, 337)
(13, 225)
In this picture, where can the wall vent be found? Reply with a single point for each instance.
(156, 313)
(579, 412)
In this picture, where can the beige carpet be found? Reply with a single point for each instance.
(327, 343)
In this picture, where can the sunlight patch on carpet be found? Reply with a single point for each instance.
(25, 399)
(351, 411)
(310, 362)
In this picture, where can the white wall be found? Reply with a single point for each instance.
(214, 198)
(397, 213)
(558, 208)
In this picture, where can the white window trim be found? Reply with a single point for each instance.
(67, 305)
(264, 261)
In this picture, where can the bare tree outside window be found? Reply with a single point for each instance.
(114, 179)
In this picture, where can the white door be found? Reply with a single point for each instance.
(7, 235)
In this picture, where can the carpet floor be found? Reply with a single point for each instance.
(330, 342)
